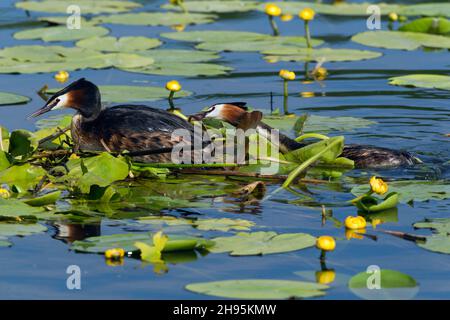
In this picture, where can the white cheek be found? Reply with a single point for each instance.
(62, 102)
(216, 112)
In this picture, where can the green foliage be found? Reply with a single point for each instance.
(86, 6)
(432, 81)
(122, 44)
(389, 279)
(428, 25)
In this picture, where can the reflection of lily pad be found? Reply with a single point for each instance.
(401, 40)
(118, 94)
(260, 243)
(414, 190)
(215, 6)
(122, 44)
(259, 289)
(10, 99)
(86, 6)
(432, 81)
(303, 54)
(183, 69)
(61, 33)
(156, 18)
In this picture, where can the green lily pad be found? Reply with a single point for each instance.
(372, 204)
(164, 220)
(414, 190)
(117, 94)
(224, 224)
(38, 53)
(426, 9)
(428, 25)
(13, 208)
(259, 289)
(303, 154)
(215, 36)
(5, 243)
(126, 241)
(440, 240)
(287, 53)
(16, 229)
(61, 33)
(122, 44)
(11, 99)
(21, 178)
(22, 144)
(4, 161)
(156, 18)
(163, 56)
(401, 40)
(61, 20)
(432, 81)
(260, 243)
(161, 202)
(215, 6)
(86, 6)
(182, 69)
(49, 198)
(439, 225)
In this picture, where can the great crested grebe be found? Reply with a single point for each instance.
(119, 128)
(364, 156)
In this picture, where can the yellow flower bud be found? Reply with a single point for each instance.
(354, 223)
(173, 85)
(307, 14)
(326, 243)
(273, 10)
(321, 72)
(325, 277)
(287, 75)
(178, 27)
(4, 193)
(62, 76)
(393, 16)
(286, 17)
(115, 253)
(378, 185)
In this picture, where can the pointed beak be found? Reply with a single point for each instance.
(197, 117)
(40, 111)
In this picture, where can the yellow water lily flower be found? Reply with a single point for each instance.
(352, 234)
(325, 277)
(178, 27)
(160, 240)
(287, 75)
(272, 10)
(4, 193)
(286, 17)
(378, 185)
(393, 16)
(354, 223)
(173, 86)
(74, 156)
(326, 243)
(307, 14)
(320, 73)
(115, 253)
(62, 76)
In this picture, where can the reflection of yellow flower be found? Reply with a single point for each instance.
(273, 10)
(326, 243)
(173, 85)
(178, 27)
(393, 16)
(286, 74)
(378, 185)
(357, 222)
(114, 254)
(62, 76)
(307, 94)
(376, 222)
(114, 263)
(4, 193)
(272, 59)
(352, 234)
(286, 17)
(307, 14)
(325, 277)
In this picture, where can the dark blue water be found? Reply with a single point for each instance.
(407, 118)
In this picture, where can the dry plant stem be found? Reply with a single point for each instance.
(55, 135)
(404, 235)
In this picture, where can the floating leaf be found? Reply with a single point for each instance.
(426, 9)
(414, 190)
(428, 25)
(224, 224)
(164, 220)
(22, 144)
(183, 69)
(304, 54)
(303, 154)
(162, 56)
(155, 18)
(4, 161)
(372, 204)
(15, 229)
(11, 99)
(64, 20)
(260, 243)
(122, 44)
(49, 198)
(161, 202)
(21, 178)
(215, 36)
(432, 81)
(440, 241)
(116, 94)
(259, 289)
(86, 6)
(61, 33)
(440, 225)
(215, 6)
(13, 208)
(401, 40)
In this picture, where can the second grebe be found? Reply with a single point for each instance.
(116, 129)
(364, 156)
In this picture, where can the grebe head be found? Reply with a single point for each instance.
(230, 112)
(80, 95)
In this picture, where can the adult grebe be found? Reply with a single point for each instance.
(119, 128)
(364, 156)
